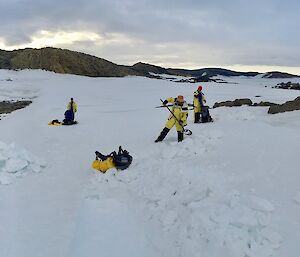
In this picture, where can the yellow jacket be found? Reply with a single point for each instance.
(197, 105)
(181, 114)
(74, 106)
(103, 166)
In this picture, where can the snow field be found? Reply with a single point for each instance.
(230, 189)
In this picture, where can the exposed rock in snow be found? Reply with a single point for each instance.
(10, 106)
(263, 104)
(236, 102)
(286, 107)
(288, 85)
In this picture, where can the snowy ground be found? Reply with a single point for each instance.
(229, 190)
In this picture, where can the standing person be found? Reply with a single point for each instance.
(73, 108)
(178, 117)
(199, 101)
(69, 113)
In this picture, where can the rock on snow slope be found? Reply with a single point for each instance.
(231, 189)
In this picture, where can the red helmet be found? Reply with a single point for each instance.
(200, 88)
(180, 98)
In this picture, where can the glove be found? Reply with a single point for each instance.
(165, 102)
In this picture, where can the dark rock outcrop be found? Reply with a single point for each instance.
(286, 107)
(236, 102)
(8, 107)
(146, 69)
(263, 104)
(288, 85)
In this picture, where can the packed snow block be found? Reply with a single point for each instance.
(288, 106)
(15, 162)
(242, 226)
(236, 102)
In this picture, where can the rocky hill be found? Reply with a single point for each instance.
(62, 61)
(209, 72)
(279, 75)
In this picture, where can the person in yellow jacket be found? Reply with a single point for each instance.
(199, 101)
(72, 106)
(177, 118)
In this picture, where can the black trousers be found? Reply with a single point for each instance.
(180, 136)
(164, 132)
(162, 135)
(197, 117)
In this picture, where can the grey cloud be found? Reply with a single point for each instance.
(239, 31)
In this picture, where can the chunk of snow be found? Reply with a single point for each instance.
(15, 162)
(14, 165)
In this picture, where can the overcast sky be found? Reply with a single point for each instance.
(243, 35)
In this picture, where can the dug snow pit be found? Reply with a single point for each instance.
(15, 162)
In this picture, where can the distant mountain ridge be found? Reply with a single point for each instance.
(72, 62)
(210, 72)
(278, 75)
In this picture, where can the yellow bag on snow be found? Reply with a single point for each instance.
(55, 123)
(103, 166)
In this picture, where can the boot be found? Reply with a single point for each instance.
(197, 117)
(180, 136)
(162, 135)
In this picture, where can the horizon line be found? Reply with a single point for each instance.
(236, 67)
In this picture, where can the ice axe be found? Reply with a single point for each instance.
(185, 131)
(170, 105)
